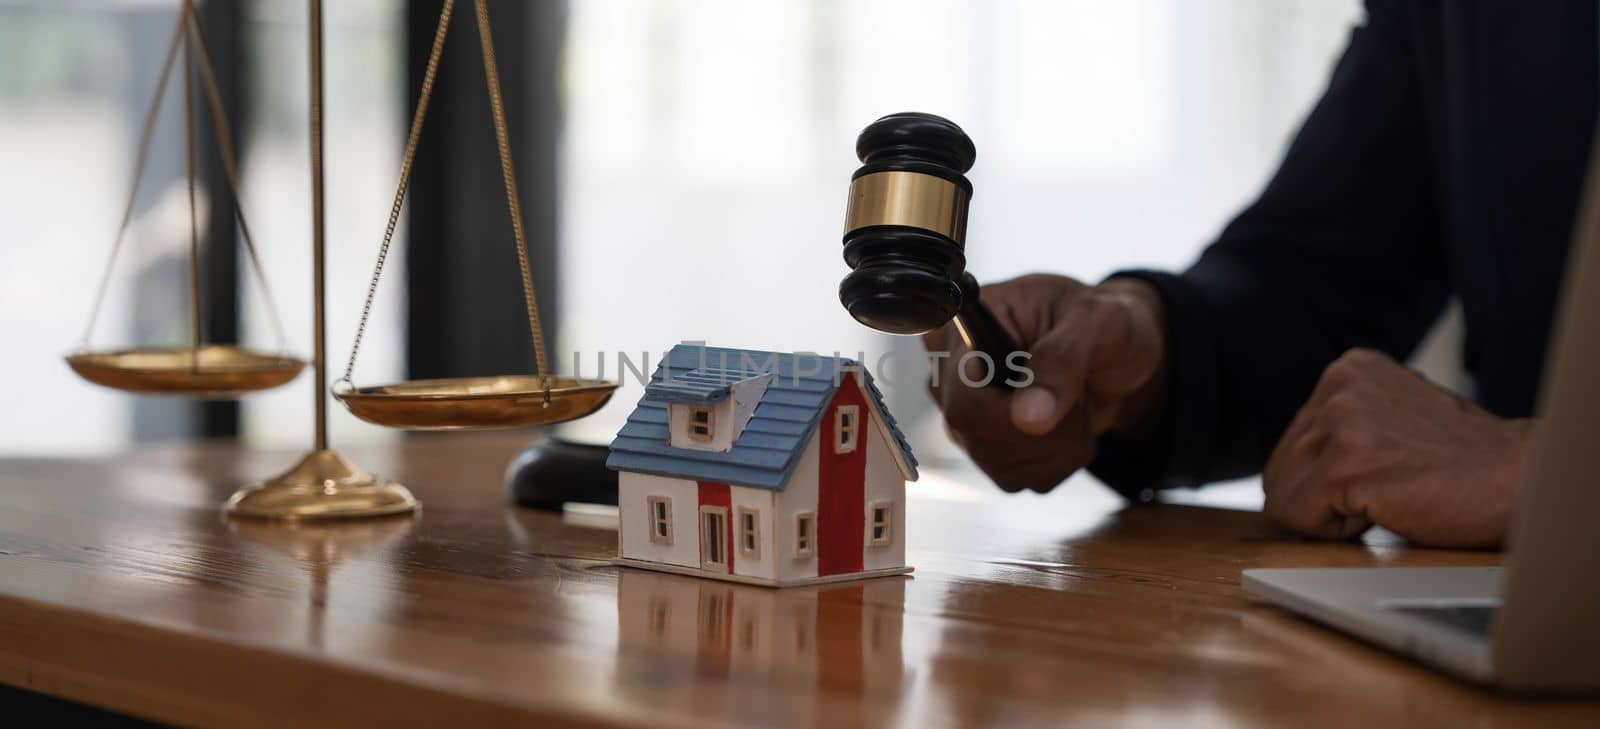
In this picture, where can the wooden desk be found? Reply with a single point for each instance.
(121, 586)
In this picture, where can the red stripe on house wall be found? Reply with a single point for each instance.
(841, 487)
(716, 494)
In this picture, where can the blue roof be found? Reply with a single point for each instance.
(696, 387)
(767, 452)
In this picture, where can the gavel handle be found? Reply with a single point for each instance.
(981, 332)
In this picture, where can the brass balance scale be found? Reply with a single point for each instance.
(323, 485)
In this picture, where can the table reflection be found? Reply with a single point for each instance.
(841, 640)
(320, 547)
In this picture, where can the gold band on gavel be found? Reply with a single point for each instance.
(911, 199)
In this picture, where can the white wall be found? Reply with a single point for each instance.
(884, 482)
(800, 495)
(633, 495)
(760, 500)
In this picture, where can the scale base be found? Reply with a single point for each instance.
(321, 486)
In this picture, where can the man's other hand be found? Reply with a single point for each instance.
(1379, 444)
(1098, 366)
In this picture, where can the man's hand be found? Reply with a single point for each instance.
(1098, 364)
(1379, 444)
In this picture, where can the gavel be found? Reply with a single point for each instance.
(905, 235)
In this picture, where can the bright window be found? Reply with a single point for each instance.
(882, 520)
(846, 427)
(805, 538)
(660, 519)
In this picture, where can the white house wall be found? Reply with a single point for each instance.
(761, 500)
(634, 492)
(884, 482)
(798, 496)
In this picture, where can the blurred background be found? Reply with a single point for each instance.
(673, 155)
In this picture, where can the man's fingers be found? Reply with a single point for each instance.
(1102, 412)
(1039, 464)
(1034, 409)
(1035, 437)
(1303, 505)
(1295, 453)
(1307, 478)
(1060, 364)
(1284, 458)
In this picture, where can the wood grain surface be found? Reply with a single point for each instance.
(122, 586)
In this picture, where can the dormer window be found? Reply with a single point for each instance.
(702, 424)
(846, 428)
(707, 409)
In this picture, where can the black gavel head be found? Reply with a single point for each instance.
(906, 223)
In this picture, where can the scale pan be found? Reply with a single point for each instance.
(470, 403)
(213, 371)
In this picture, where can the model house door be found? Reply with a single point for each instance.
(714, 539)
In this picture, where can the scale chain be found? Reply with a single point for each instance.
(230, 167)
(145, 137)
(187, 29)
(196, 333)
(406, 161)
(513, 204)
(513, 201)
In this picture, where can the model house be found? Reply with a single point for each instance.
(761, 467)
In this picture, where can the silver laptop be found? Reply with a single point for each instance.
(1533, 624)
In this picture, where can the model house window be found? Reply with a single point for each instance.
(805, 535)
(882, 522)
(660, 519)
(701, 424)
(750, 533)
(846, 424)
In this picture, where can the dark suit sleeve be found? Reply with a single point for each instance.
(1343, 249)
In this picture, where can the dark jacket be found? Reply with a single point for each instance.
(1445, 159)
